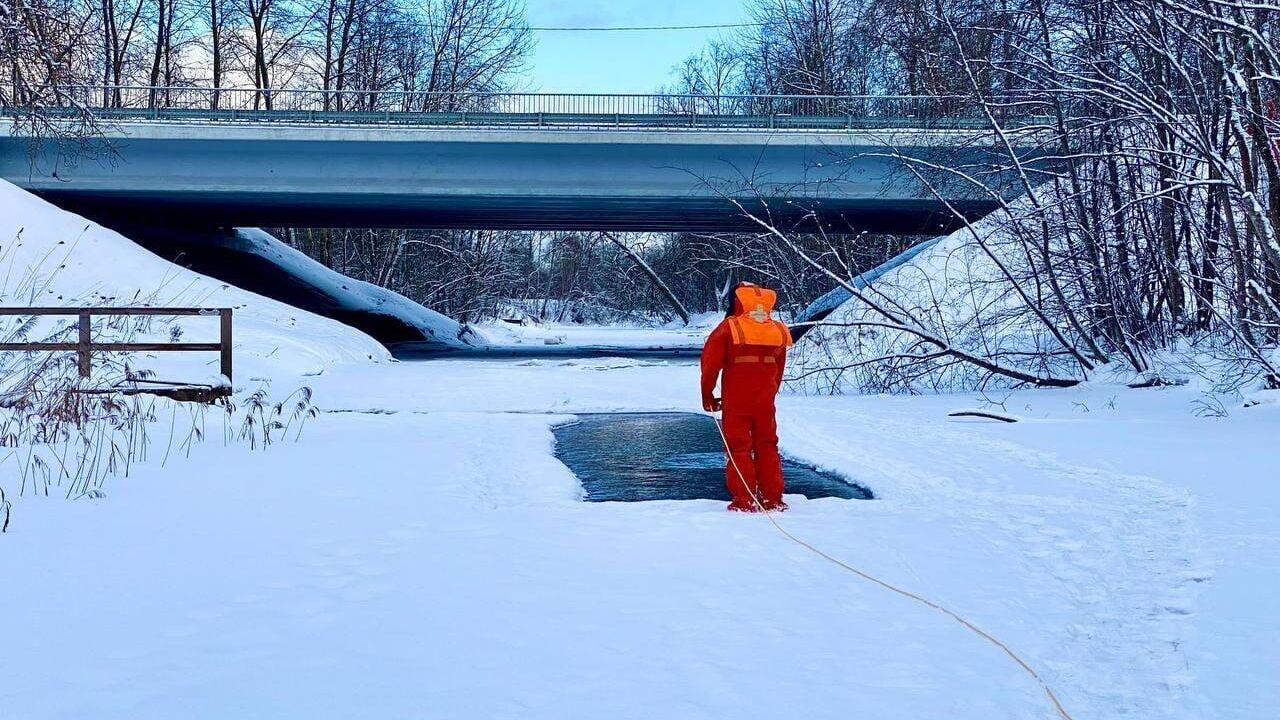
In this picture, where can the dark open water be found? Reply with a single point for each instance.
(668, 456)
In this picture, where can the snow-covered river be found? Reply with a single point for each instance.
(421, 552)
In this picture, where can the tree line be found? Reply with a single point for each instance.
(337, 46)
(476, 275)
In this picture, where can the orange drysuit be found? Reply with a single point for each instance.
(750, 349)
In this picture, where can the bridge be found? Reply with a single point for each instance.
(234, 157)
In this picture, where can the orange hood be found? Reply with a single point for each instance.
(753, 301)
(752, 322)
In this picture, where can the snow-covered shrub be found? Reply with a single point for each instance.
(967, 292)
(579, 312)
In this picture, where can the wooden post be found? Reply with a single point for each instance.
(224, 338)
(83, 350)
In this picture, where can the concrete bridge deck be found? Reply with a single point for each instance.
(548, 161)
(379, 175)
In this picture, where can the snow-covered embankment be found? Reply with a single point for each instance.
(50, 257)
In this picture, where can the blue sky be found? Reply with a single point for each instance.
(619, 61)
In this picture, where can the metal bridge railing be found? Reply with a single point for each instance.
(516, 108)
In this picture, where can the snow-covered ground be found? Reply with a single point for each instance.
(50, 257)
(420, 553)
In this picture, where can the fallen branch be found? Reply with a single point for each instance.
(652, 275)
(983, 414)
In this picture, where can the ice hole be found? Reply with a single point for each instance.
(632, 457)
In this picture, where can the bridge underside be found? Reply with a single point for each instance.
(259, 209)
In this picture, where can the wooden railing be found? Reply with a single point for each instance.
(84, 347)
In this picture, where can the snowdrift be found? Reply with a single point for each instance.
(52, 257)
(256, 261)
(839, 295)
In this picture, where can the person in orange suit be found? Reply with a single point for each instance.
(747, 353)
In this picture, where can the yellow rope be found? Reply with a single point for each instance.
(1062, 712)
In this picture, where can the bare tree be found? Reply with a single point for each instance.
(219, 43)
(1140, 135)
(705, 78)
(272, 44)
(121, 25)
(652, 275)
(46, 61)
(466, 46)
